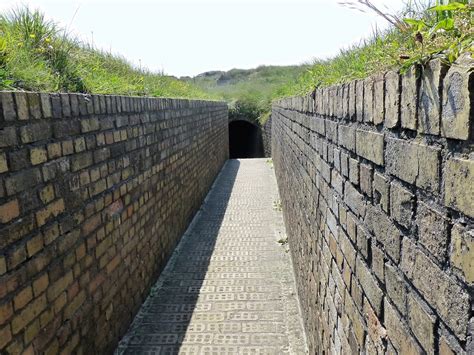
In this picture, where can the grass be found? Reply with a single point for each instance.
(421, 32)
(277, 205)
(248, 91)
(424, 30)
(37, 55)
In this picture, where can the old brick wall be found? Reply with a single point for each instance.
(267, 137)
(95, 192)
(377, 185)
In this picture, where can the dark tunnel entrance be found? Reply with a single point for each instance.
(245, 140)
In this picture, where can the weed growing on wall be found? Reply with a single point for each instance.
(444, 30)
(423, 31)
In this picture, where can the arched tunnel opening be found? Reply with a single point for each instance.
(245, 140)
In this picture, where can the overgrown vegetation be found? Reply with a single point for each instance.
(248, 91)
(37, 55)
(424, 30)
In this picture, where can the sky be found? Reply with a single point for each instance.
(186, 37)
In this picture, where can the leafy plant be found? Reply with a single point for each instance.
(445, 28)
(420, 32)
(246, 107)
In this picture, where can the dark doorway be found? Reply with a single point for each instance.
(245, 140)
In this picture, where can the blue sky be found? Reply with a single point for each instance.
(185, 37)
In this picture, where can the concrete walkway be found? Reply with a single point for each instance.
(229, 286)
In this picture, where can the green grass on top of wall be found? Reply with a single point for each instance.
(37, 55)
(425, 30)
(417, 35)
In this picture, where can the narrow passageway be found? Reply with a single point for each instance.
(245, 140)
(229, 286)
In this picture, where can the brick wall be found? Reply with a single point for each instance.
(267, 137)
(377, 184)
(95, 192)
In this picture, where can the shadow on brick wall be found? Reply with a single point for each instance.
(163, 321)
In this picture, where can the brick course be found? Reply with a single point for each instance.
(95, 193)
(266, 137)
(380, 220)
